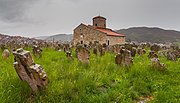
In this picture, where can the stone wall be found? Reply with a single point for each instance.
(113, 40)
(88, 34)
(99, 22)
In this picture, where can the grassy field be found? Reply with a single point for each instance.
(101, 81)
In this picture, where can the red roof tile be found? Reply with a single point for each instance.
(109, 32)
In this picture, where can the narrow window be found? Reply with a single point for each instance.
(81, 42)
(108, 42)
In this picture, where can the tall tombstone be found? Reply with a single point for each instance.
(28, 71)
(124, 58)
(83, 53)
(37, 51)
(133, 52)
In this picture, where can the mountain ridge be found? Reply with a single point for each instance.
(150, 34)
(139, 34)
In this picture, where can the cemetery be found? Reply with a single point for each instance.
(96, 73)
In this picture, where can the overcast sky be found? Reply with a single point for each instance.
(33, 18)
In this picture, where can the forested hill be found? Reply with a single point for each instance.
(143, 34)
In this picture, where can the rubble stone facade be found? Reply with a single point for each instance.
(86, 34)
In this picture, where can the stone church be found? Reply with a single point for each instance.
(86, 34)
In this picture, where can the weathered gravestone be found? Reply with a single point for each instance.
(152, 54)
(83, 53)
(133, 52)
(155, 62)
(155, 48)
(171, 55)
(124, 58)
(28, 71)
(3, 47)
(6, 53)
(141, 51)
(69, 55)
(37, 51)
(66, 47)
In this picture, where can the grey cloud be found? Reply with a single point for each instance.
(14, 10)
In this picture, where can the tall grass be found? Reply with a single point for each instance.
(101, 81)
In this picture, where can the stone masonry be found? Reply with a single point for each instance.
(86, 34)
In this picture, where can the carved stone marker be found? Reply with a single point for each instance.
(83, 54)
(28, 71)
(124, 58)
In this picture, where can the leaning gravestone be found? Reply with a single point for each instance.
(83, 54)
(28, 71)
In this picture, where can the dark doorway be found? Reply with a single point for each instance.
(81, 42)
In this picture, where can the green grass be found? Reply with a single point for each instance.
(101, 81)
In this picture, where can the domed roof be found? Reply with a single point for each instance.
(99, 17)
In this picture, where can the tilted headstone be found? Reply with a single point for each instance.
(28, 71)
(83, 54)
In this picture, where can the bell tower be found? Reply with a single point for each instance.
(99, 21)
